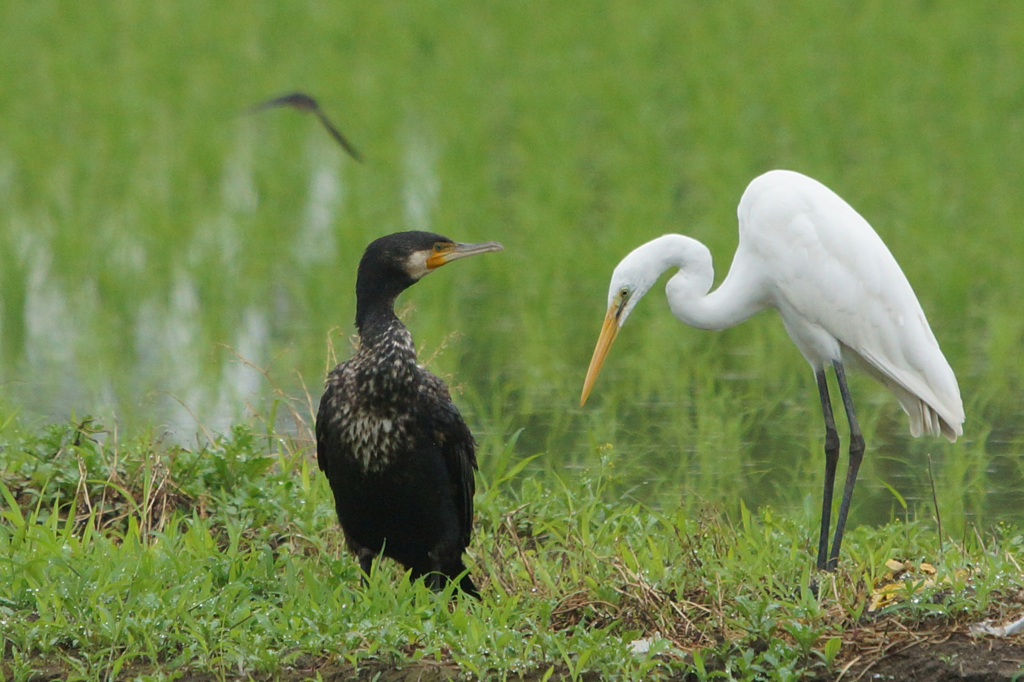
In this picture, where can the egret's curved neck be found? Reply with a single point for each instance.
(741, 294)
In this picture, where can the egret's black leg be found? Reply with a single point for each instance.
(856, 455)
(831, 459)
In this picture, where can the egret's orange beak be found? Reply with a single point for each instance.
(454, 251)
(604, 342)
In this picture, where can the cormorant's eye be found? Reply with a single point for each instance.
(438, 247)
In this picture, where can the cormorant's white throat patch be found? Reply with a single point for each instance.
(416, 264)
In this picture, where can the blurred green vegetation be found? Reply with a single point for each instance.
(144, 225)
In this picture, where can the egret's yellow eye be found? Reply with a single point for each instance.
(621, 299)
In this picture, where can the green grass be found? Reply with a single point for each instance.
(131, 558)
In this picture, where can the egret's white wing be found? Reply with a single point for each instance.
(834, 280)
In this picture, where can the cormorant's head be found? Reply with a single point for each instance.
(395, 262)
(408, 256)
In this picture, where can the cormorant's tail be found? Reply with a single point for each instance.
(438, 580)
(467, 586)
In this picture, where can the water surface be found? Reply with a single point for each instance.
(159, 253)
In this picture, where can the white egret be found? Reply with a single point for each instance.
(843, 300)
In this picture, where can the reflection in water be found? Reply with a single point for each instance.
(776, 466)
(422, 185)
(49, 334)
(179, 376)
(170, 356)
(238, 187)
(161, 374)
(316, 242)
(240, 380)
(167, 351)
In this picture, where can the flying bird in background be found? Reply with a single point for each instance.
(303, 102)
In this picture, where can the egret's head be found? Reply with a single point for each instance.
(633, 277)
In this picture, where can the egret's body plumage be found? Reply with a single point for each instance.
(398, 456)
(841, 295)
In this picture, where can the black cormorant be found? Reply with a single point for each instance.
(394, 447)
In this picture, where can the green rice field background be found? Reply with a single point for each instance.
(157, 249)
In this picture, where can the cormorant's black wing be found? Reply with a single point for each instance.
(459, 451)
(328, 444)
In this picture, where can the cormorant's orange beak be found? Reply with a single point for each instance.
(604, 342)
(446, 253)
